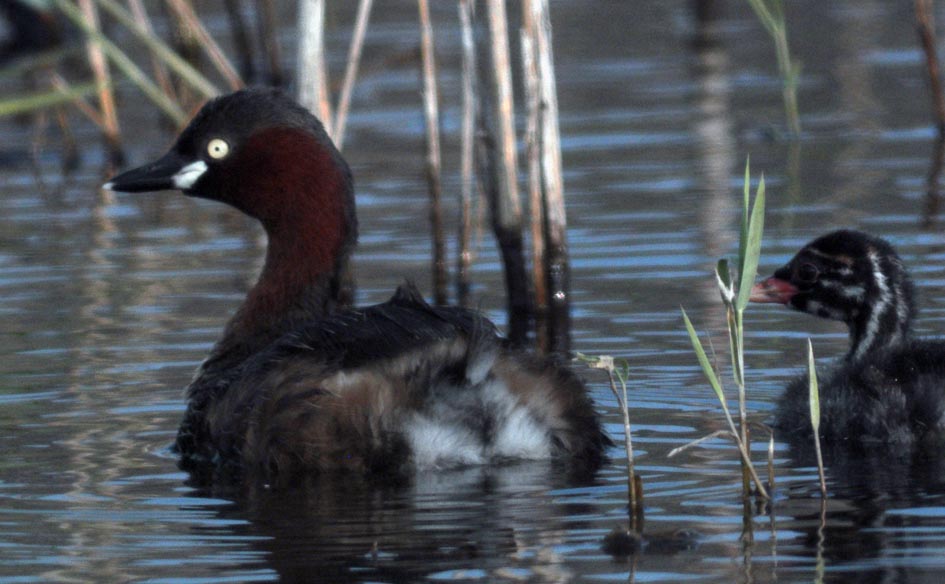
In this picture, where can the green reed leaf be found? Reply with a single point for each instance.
(756, 227)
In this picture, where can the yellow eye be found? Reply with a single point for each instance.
(218, 148)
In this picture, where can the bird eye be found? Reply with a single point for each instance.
(807, 273)
(218, 148)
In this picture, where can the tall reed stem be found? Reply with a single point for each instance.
(536, 205)
(185, 11)
(557, 267)
(467, 151)
(106, 99)
(433, 164)
(498, 155)
(312, 73)
(124, 64)
(143, 21)
(161, 51)
(351, 71)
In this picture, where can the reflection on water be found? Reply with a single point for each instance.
(108, 302)
(443, 525)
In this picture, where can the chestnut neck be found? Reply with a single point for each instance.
(300, 189)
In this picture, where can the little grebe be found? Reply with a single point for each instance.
(890, 387)
(297, 385)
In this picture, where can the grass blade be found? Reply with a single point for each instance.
(746, 200)
(37, 101)
(186, 71)
(717, 387)
(122, 62)
(753, 248)
(723, 277)
(704, 361)
(814, 390)
(815, 416)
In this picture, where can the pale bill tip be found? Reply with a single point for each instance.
(109, 186)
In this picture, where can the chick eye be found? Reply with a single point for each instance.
(218, 148)
(807, 273)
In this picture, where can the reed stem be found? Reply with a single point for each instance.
(557, 266)
(467, 151)
(351, 71)
(312, 73)
(433, 163)
(131, 71)
(40, 101)
(143, 21)
(78, 98)
(161, 51)
(186, 12)
(621, 372)
(106, 99)
(925, 25)
(498, 155)
(628, 439)
(535, 202)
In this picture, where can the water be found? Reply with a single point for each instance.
(108, 303)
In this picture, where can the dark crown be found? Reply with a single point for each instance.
(856, 278)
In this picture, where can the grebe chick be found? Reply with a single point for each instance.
(296, 385)
(889, 389)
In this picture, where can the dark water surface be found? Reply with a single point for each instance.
(108, 303)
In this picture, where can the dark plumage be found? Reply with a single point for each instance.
(889, 389)
(298, 385)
